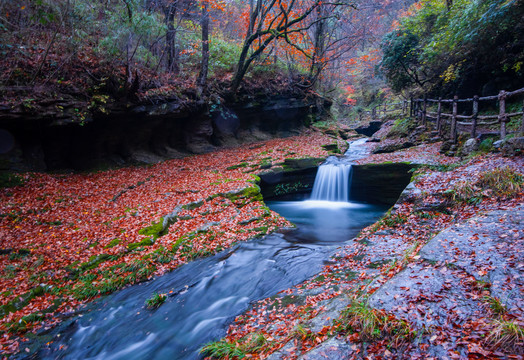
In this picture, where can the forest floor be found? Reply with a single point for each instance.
(440, 276)
(66, 239)
(69, 238)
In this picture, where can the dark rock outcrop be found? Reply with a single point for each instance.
(144, 133)
(370, 128)
(379, 183)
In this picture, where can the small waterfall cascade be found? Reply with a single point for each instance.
(332, 181)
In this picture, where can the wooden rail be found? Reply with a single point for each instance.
(419, 108)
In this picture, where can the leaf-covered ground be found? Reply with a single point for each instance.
(382, 297)
(68, 238)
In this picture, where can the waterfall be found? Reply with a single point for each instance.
(332, 181)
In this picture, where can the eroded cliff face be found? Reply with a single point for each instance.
(47, 139)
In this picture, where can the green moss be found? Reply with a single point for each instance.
(21, 325)
(23, 300)
(113, 243)
(9, 179)
(145, 242)
(155, 230)
(245, 195)
(193, 205)
(238, 166)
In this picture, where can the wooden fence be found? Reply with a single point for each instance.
(419, 108)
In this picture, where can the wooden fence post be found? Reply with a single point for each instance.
(385, 109)
(411, 107)
(502, 114)
(404, 107)
(522, 123)
(374, 113)
(454, 120)
(424, 111)
(475, 116)
(439, 116)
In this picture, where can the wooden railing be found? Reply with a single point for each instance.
(387, 108)
(419, 108)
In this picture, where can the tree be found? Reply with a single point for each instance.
(270, 20)
(204, 67)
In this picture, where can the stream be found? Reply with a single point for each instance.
(208, 293)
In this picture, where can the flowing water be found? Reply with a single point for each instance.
(208, 293)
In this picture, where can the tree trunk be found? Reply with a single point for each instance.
(204, 67)
(172, 56)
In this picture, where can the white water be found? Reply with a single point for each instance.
(332, 182)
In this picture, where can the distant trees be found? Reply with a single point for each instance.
(130, 46)
(467, 47)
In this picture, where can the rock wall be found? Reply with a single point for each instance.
(379, 183)
(373, 183)
(145, 133)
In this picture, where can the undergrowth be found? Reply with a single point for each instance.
(502, 183)
(368, 324)
(251, 343)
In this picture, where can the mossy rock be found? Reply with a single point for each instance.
(23, 300)
(331, 147)
(238, 166)
(145, 242)
(249, 193)
(332, 132)
(193, 205)
(155, 230)
(298, 164)
(113, 243)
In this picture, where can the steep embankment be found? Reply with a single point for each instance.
(399, 291)
(50, 134)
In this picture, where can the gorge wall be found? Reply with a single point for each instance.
(46, 140)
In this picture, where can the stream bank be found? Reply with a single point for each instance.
(454, 298)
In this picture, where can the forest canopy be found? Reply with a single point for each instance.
(463, 47)
(157, 49)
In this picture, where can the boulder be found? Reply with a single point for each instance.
(470, 146)
(389, 148)
(370, 128)
(514, 146)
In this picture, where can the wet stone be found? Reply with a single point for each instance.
(333, 308)
(488, 247)
(332, 349)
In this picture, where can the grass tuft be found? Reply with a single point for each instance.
(251, 343)
(507, 335)
(373, 324)
(156, 300)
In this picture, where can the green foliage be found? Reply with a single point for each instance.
(8, 179)
(503, 182)
(506, 334)
(463, 47)
(223, 55)
(156, 300)
(372, 324)
(223, 349)
(282, 189)
(486, 145)
(130, 37)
